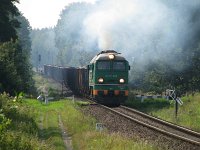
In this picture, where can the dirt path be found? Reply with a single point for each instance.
(66, 138)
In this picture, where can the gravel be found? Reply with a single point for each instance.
(118, 124)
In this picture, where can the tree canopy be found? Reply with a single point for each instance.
(8, 21)
(15, 49)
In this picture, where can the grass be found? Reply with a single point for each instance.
(148, 105)
(19, 128)
(104, 141)
(80, 127)
(30, 124)
(46, 117)
(188, 113)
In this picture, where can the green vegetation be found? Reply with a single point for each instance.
(15, 47)
(46, 84)
(80, 127)
(46, 117)
(148, 105)
(43, 44)
(29, 124)
(8, 22)
(188, 113)
(103, 141)
(18, 129)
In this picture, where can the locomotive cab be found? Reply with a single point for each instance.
(108, 78)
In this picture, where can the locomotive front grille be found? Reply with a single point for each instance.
(111, 93)
(101, 93)
(122, 93)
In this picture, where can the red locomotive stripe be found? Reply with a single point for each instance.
(126, 93)
(95, 92)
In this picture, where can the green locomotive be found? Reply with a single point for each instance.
(105, 79)
(108, 78)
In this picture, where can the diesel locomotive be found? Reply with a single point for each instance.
(105, 79)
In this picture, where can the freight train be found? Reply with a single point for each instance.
(105, 79)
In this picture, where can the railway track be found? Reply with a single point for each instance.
(158, 125)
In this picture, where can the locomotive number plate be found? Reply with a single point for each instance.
(111, 75)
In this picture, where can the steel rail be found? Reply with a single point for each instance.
(180, 128)
(153, 127)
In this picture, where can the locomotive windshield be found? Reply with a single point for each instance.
(103, 65)
(119, 65)
(116, 65)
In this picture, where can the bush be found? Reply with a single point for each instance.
(18, 129)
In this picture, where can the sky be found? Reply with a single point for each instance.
(44, 13)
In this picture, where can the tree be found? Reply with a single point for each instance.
(15, 47)
(70, 38)
(8, 22)
(22, 55)
(9, 78)
(43, 44)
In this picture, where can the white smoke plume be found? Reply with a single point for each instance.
(145, 29)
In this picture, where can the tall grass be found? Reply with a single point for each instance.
(188, 113)
(19, 128)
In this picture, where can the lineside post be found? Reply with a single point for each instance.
(62, 87)
(176, 108)
(173, 96)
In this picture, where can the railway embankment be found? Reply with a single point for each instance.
(126, 127)
(59, 121)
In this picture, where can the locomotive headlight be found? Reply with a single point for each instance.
(100, 80)
(121, 80)
(111, 56)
